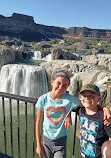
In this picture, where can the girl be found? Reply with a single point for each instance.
(52, 111)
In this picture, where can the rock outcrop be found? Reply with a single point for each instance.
(23, 27)
(87, 32)
(9, 56)
(108, 97)
(57, 53)
(102, 60)
(6, 56)
(82, 72)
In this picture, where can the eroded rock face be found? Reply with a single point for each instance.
(9, 56)
(82, 72)
(6, 56)
(87, 32)
(103, 60)
(23, 27)
(23, 18)
(108, 98)
(58, 53)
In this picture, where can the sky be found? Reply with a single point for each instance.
(95, 14)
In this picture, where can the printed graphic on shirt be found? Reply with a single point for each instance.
(88, 133)
(56, 115)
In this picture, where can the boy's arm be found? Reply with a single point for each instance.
(39, 150)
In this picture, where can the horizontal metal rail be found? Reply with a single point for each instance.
(18, 97)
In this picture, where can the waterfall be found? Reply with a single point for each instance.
(25, 80)
(37, 55)
(47, 58)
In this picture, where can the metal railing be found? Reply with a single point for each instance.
(26, 100)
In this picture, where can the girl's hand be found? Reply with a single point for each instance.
(40, 151)
(39, 122)
(107, 116)
(68, 121)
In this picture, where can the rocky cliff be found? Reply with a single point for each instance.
(23, 27)
(84, 72)
(87, 32)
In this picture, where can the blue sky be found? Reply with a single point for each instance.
(94, 14)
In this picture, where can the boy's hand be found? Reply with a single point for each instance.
(107, 116)
(40, 151)
(68, 121)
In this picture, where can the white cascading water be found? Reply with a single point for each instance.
(47, 58)
(24, 80)
(37, 55)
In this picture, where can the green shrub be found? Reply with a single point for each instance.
(109, 106)
(77, 87)
(42, 50)
(89, 52)
(55, 41)
(104, 96)
(108, 81)
(75, 41)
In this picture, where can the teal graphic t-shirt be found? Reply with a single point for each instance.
(55, 114)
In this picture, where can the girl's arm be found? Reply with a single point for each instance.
(107, 115)
(39, 122)
(68, 121)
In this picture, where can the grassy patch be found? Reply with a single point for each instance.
(70, 142)
(77, 148)
(109, 106)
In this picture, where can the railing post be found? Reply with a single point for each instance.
(4, 125)
(75, 124)
(33, 130)
(18, 124)
(26, 129)
(11, 127)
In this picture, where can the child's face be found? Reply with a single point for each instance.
(60, 85)
(89, 99)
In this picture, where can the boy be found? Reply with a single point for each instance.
(93, 133)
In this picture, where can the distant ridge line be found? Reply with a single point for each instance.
(23, 27)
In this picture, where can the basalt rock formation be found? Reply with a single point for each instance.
(23, 27)
(57, 53)
(87, 32)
